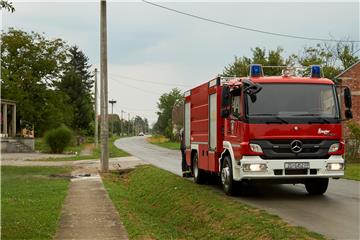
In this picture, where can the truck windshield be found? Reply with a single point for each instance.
(316, 101)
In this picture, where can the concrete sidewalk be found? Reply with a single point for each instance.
(88, 212)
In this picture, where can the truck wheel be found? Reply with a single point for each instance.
(227, 181)
(199, 175)
(317, 186)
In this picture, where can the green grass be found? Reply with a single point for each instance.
(352, 171)
(155, 204)
(113, 153)
(163, 142)
(31, 201)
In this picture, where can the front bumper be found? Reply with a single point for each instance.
(275, 168)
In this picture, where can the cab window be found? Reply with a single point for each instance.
(235, 105)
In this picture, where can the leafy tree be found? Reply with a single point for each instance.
(76, 83)
(333, 58)
(240, 67)
(345, 52)
(31, 65)
(7, 5)
(165, 105)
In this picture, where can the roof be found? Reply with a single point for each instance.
(7, 101)
(343, 72)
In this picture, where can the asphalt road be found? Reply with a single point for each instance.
(335, 214)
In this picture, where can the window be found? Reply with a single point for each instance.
(236, 110)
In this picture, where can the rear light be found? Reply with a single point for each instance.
(255, 148)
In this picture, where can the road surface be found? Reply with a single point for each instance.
(335, 214)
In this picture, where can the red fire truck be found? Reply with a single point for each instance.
(283, 129)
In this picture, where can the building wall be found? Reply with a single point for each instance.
(351, 78)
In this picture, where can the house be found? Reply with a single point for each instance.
(351, 77)
(10, 140)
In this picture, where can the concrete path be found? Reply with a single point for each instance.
(336, 214)
(32, 156)
(88, 213)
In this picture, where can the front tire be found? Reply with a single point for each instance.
(317, 186)
(227, 181)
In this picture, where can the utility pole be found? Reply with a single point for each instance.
(112, 102)
(96, 133)
(104, 90)
(128, 133)
(121, 123)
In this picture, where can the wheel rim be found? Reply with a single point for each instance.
(225, 176)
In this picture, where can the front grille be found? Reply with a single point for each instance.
(281, 148)
(288, 141)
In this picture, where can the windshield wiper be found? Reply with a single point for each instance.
(281, 120)
(320, 119)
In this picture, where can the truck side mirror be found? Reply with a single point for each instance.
(347, 97)
(225, 96)
(225, 113)
(225, 101)
(348, 114)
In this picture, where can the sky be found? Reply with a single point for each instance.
(152, 50)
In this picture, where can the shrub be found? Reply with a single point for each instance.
(58, 138)
(353, 143)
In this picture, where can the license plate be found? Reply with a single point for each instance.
(297, 165)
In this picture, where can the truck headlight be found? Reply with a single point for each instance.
(334, 147)
(254, 167)
(335, 166)
(255, 148)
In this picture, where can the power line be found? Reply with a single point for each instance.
(356, 51)
(147, 81)
(131, 86)
(246, 28)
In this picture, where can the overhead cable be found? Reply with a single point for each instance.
(246, 28)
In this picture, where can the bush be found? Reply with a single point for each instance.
(58, 139)
(353, 143)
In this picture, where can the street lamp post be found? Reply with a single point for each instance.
(112, 102)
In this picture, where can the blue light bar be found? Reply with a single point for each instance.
(315, 71)
(256, 70)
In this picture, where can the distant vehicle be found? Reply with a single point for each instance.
(283, 128)
(141, 134)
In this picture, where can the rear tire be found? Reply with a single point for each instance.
(227, 182)
(199, 175)
(317, 186)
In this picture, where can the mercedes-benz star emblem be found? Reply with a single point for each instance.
(296, 146)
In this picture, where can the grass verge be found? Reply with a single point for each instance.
(155, 204)
(95, 154)
(352, 171)
(163, 142)
(31, 201)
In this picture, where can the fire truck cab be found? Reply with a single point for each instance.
(283, 129)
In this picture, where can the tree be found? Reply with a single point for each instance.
(31, 65)
(333, 58)
(76, 83)
(7, 5)
(240, 67)
(165, 105)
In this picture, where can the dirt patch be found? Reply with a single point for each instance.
(88, 149)
(62, 176)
